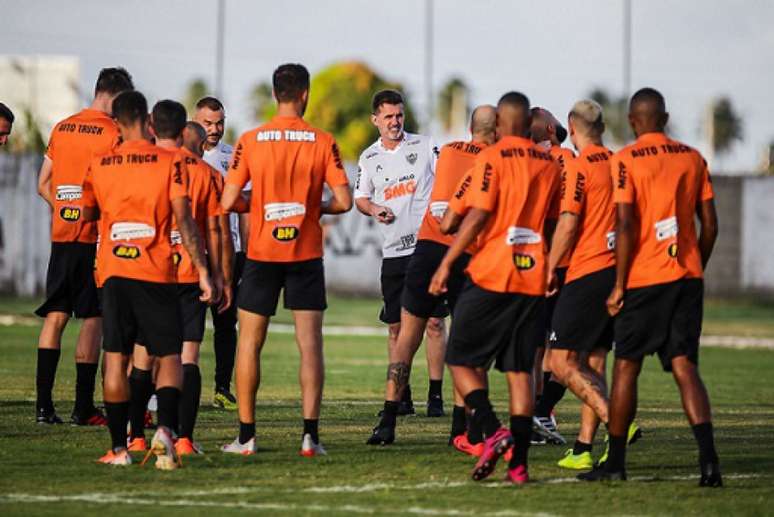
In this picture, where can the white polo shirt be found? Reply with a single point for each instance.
(219, 157)
(400, 179)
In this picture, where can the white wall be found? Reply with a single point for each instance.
(757, 251)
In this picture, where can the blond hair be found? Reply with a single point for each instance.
(588, 117)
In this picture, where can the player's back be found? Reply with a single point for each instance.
(133, 185)
(288, 161)
(587, 190)
(454, 160)
(73, 142)
(517, 182)
(665, 179)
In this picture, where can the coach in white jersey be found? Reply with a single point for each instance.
(211, 115)
(395, 179)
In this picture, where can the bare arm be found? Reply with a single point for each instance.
(226, 249)
(44, 181)
(381, 213)
(340, 202)
(471, 226)
(451, 222)
(708, 234)
(214, 243)
(193, 244)
(624, 248)
(565, 233)
(233, 200)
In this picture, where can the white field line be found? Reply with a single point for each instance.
(739, 342)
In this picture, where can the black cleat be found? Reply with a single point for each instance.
(710, 475)
(47, 416)
(435, 407)
(382, 435)
(601, 473)
(537, 439)
(93, 417)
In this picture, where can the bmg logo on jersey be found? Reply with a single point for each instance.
(126, 251)
(285, 233)
(523, 262)
(70, 214)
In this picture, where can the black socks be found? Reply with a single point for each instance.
(459, 421)
(246, 432)
(580, 447)
(390, 414)
(617, 456)
(168, 398)
(189, 402)
(435, 390)
(482, 413)
(706, 440)
(117, 415)
(48, 359)
(85, 381)
(310, 428)
(140, 389)
(521, 430)
(552, 394)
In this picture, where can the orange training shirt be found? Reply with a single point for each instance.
(516, 182)
(72, 144)
(133, 186)
(587, 191)
(287, 161)
(665, 180)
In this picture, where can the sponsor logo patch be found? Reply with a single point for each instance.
(70, 213)
(672, 250)
(279, 211)
(411, 158)
(438, 208)
(666, 228)
(285, 233)
(517, 235)
(127, 231)
(176, 258)
(126, 251)
(523, 262)
(68, 192)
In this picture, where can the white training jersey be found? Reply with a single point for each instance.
(400, 179)
(219, 158)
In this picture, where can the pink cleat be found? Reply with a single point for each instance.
(517, 476)
(494, 447)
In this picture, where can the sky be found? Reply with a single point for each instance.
(555, 52)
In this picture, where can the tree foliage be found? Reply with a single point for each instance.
(454, 90)
(615, 111)
(195, 90)
(340, 102)
(727, 125)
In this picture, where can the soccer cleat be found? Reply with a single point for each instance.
(224, 399)
(309, 449)
(601, 473)
(405, 408)
(632, 436)
(462, 444)
(245, 449)
(94, 417)
(153, 403)
(186, 446)
(494, 447)
(537, 439)
(517, 476)
(137, 444)
(710, 476)
(119, 459)
(381, 435)
(164, 449)
(546, 427)
(47, 416)
(435, 407)
(582, 461)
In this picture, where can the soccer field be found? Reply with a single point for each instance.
(52, 470)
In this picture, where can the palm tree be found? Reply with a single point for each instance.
(615, 112)
(453, 106)
(724, 126)
(195, 90)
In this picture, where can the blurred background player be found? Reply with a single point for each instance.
(418, 305)
(395, 178)
(583, 329)
(499, 315)
(211, 115)
(549, 134)
(138, 190)
(70, 283)
(6, 123)
(660, 186)
(288, 161)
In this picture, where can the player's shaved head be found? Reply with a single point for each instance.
(168, 119)
(647, 111)
(483, 123)
(193, 137)
(545, 126)
(513, 115)
(130, 108)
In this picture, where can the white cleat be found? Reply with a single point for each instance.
(118, 459)
(309, 449)
(245, 449)
(162, 445)
(546, 427)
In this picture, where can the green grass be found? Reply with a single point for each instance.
(420, 474)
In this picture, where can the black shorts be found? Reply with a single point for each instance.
(70, 286)
(561, 274)
(393, 279)
(303, 284)
(500, 328)
(136, 311)
(192, 310)
(421, 268)
(581, 321)
(664, 319)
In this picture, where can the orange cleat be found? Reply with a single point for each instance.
(119, 459)
(185, 446)
(462, 444)
(137, 445)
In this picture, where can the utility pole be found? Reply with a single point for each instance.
(219, 49)
(429, 65)
(627, 48)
